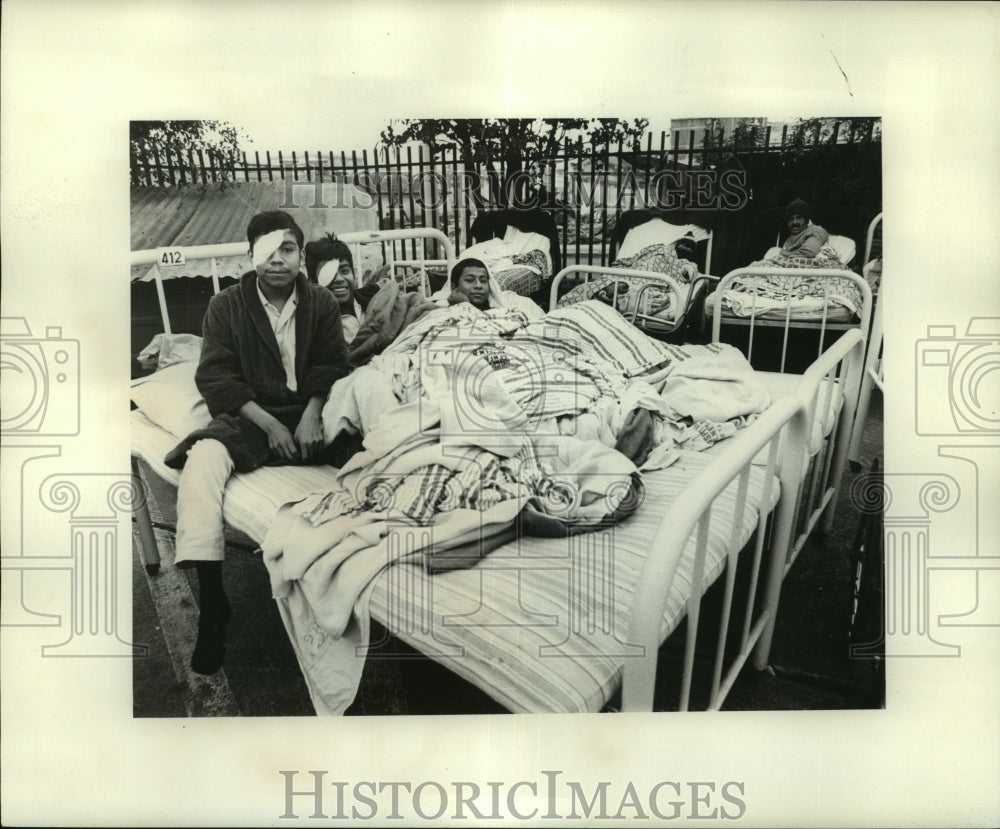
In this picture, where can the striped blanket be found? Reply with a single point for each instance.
(464, 420)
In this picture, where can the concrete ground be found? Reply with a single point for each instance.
(811, 666)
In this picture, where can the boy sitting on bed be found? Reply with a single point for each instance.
(272, 348)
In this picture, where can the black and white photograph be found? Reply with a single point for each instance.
(442, 414)
(534, 336)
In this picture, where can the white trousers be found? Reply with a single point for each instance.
(200, 528)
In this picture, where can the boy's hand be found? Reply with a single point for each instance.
(280, 440)
(309, 434)
(457, 297)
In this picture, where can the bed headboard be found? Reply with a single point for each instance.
(633, 218)
(492, 224)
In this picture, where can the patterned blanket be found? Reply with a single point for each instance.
(639, 296)
(800, 291)
(525, 278)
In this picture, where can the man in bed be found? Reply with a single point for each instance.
(470, 282)
(272, 348)
(804, 238)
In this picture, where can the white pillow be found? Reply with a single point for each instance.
(845, 248)
(171, 399)
(656, 232)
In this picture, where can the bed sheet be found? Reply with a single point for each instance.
(829, 402)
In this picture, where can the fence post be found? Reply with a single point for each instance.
(566, 201)
(444, 194)
(409, 187)
(354, 175)
(378, 183)
(159, 171)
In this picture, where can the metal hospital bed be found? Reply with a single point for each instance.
(629, 288)
(601, 604)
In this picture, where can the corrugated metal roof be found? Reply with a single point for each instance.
(184, 216)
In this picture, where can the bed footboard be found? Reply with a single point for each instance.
(786, 422)
(765, 312)
(689, 293)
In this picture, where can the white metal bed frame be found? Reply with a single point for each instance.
(353, 239)
(784, 429)
(789, 321)
(668, 326)
(873, 373)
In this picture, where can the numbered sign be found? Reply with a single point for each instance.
(165, 257)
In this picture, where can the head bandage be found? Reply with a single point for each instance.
(328, 272)
(266, 245)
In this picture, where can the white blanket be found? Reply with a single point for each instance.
(498, 253)
(656, 231)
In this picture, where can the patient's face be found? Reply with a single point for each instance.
(338, 276)
(474, 282)
(797, 223)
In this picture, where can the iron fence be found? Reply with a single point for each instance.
(585, 188)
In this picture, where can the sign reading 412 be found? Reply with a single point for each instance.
(169, 256)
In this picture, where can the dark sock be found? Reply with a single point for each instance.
(210, 649)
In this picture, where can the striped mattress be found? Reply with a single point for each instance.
(539, 624)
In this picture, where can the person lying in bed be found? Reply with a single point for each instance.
(805, 239)
(272, 346)
(623, 293)
(330, 263)
(685, 248)
(470, 282)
